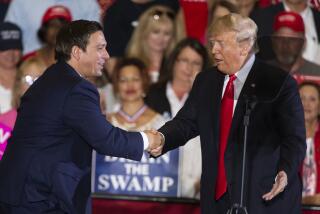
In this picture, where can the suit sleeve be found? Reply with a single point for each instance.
(183, 126)
(82, 113)
(290, 122)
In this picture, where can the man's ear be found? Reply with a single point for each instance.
(245, 48)
(76, 52)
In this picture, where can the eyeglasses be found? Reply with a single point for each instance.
(28, 79)
(193, 64)
(158, 13)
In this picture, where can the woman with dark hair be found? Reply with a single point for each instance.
(310, 97)
(53, 19)
(130, 85)
(187, 59)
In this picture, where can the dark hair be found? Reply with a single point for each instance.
(76, 33)
(130, 61)
(231, 7)
(226, 4)
(43, 30)
(166, 74)
(312, 84)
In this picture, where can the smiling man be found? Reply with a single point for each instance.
(46, 167)
(215, 110)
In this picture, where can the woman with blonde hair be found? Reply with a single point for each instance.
(153, 38)
(28, 72)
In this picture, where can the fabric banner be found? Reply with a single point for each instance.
(149, 177)
(5, 133)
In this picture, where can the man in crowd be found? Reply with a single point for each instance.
(288, 42)
(311, 18)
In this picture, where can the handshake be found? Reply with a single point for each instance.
(156, 142)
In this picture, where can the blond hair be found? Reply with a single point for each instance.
(148, 21)
(245, 28)
(16, 93)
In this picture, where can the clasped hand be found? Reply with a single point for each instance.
(156, 142)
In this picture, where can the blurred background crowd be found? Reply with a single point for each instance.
(156, 48)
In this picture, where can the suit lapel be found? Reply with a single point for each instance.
(248, 90)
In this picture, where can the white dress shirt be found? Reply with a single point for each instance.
(241, 75)
(175, 103)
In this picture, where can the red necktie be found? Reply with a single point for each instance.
(226, 112)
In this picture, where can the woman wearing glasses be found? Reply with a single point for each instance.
(167, 97)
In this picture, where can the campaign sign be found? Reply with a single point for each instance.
(5, 133)
(148, 177)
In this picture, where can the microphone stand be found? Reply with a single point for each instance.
(240, 208)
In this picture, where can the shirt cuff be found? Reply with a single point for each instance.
(163, 137)
(145, 140)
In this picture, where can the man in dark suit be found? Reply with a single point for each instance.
(46, 167)
(215, 110)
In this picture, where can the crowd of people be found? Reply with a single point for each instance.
(156, 49)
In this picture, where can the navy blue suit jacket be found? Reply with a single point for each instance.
(49, 154)
(276, 138)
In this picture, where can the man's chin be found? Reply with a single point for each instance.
(98, 73)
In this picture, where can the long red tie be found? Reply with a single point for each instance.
(226, 112)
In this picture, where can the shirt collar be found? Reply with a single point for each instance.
(303, 13)
(244, 71)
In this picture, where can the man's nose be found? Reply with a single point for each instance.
(215, 48)
(106, 55)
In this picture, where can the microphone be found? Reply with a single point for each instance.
(250, 101)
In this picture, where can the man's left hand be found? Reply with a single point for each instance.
(280, 183)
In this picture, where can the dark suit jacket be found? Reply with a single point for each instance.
(49, 154)
(276, 138)
(157, 99)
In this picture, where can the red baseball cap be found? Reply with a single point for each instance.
(290, 20)
(57, 11)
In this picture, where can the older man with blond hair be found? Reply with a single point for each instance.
(216, 109)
